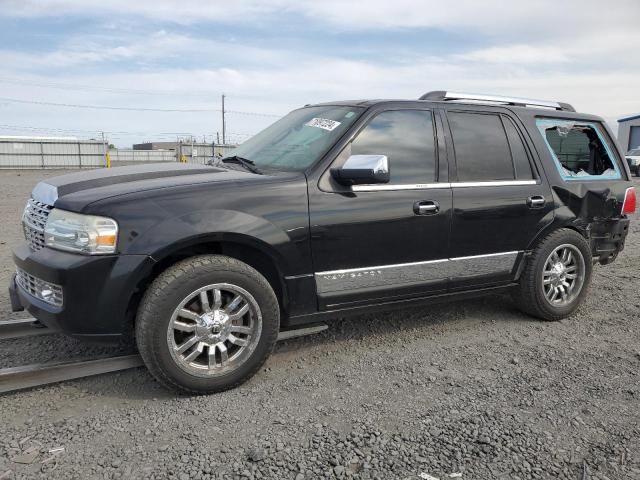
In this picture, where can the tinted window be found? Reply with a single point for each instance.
(482, 151)
(406, 137)
(578, 149)
(518, 151)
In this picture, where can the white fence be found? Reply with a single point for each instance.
(34, 152)
(184, 152)
(70, 153)
(127, 155)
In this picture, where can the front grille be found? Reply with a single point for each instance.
(45, 291)
(33, 222)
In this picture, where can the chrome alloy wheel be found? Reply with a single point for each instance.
(563, 275)
(214, 330)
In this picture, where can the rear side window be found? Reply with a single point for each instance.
(488, 148)
(579, 149)
(406, 137)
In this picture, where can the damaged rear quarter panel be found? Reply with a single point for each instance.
(592, 207)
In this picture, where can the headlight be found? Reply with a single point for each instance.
(80, 233)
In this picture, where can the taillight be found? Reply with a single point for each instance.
(629, 204)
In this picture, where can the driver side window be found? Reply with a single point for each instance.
(407, 138)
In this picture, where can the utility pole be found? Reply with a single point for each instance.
(104, 149)
(224, 126)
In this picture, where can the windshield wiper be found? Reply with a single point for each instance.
(245, 162)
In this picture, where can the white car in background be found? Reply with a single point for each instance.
(633, 158)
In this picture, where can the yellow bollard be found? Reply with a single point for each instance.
(108, 160)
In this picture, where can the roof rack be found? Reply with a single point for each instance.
(475, 97)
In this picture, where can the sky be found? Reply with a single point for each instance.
(157, 68)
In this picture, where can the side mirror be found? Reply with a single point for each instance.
(362, 169)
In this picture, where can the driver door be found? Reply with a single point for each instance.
(384, 242)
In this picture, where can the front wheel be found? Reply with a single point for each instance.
(556, 277)
(207, 324)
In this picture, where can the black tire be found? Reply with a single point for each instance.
(164, 296)
(638, 171)
(530, 295)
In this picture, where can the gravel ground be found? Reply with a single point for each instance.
(472, 388)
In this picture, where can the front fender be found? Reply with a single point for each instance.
(200, 226)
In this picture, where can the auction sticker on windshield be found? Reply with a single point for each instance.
(323, 123)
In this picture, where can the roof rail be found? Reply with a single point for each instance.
(475, 97)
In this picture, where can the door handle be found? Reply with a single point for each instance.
(536, 201)
(427, 207)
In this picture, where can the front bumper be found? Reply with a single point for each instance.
(97, 290)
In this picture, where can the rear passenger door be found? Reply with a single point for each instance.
(500, 202)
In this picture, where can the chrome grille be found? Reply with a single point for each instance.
(45, 291)
(33, 221)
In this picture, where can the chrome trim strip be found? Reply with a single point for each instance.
(338, 282)
(425, 186)
(497, 183)
(417, 186)
(480, 265)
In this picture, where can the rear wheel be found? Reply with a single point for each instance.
(638, 171)
(207, 324)
(556, 277)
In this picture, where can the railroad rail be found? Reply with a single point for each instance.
(23, 327)
(29, 376)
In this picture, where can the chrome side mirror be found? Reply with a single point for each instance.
(362, 170)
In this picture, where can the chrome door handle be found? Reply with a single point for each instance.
(536, 201)
(428, 207)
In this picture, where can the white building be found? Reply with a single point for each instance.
(629, 132)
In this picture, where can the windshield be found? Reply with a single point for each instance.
(298, 139)
(635, 151)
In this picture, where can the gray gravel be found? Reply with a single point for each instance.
(472, 387)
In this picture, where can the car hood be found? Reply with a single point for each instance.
(77, 190)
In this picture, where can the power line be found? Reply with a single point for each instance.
(96, 88)
(136, 109)
(115, 133)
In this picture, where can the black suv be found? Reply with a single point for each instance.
(335, 209)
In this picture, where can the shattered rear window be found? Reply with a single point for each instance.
(579, 150)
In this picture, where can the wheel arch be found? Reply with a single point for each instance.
(254, 252)
(582, 229)
(575, 225)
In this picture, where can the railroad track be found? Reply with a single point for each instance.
(29, 376)
(24, 327)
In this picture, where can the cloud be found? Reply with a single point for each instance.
(581, 52)
(489, 15)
